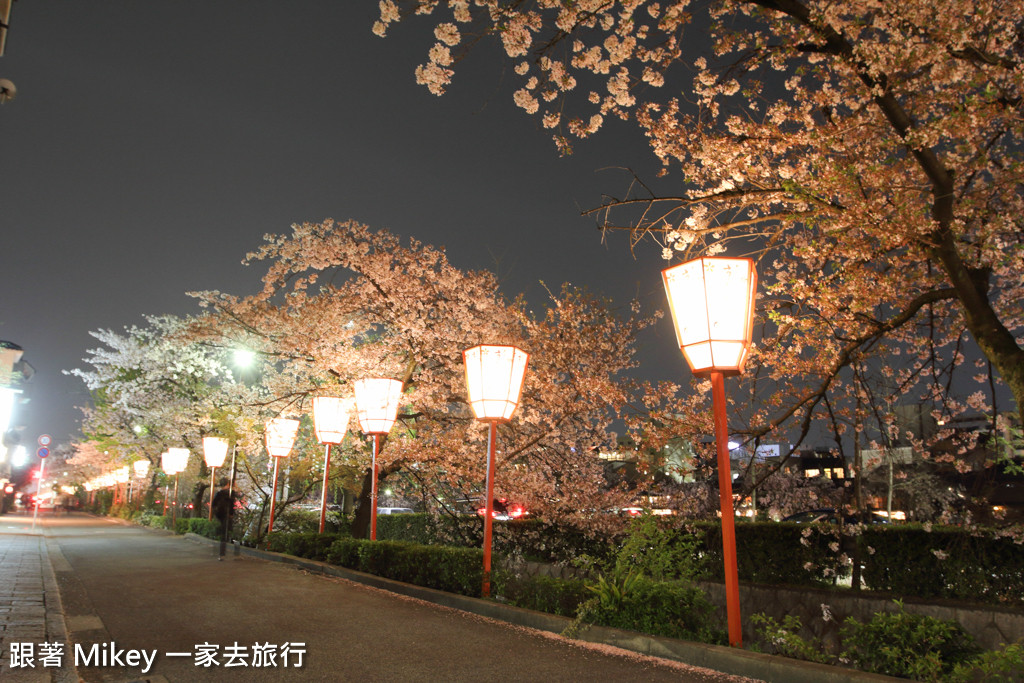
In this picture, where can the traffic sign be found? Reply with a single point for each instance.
(43, 451)
(44, 440)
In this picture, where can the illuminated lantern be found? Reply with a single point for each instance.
(494, 380)
(280, 437)
(330, 422)
(712, 305)
(215, 451)
(377, 401)
(330, 418)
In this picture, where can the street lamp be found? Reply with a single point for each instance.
(141, 468)
(122, 475)
(280, 435)
(177, 459)
(215, 450)
(330, 422)
(494, 381)
(712, 305)
(377, 408)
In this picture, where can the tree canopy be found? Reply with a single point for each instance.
(866, 153)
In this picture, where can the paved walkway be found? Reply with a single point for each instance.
(31, 619)
(105, 590)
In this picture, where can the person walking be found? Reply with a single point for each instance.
(223, 505)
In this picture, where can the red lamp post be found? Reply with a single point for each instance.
(712, 304)
(330, 422)
(377, 409)
(280, 435)
(215, 451)
(494, 381)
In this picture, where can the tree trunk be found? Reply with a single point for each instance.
(361, 522)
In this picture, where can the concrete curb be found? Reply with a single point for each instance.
(769, 668)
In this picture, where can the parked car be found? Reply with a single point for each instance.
(830, 516)
(503, 510)
(394, 511)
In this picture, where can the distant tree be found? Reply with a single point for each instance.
(867, 153)
(341, 301)
(151, 390)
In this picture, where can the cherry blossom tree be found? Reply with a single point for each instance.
(867, 153)
(151, 390)
(341, 302)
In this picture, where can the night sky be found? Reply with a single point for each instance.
(152, 145)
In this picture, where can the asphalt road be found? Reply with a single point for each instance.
(151, 591)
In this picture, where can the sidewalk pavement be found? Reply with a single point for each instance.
(30, 610)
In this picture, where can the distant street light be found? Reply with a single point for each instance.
(215, 451)
(494, 381)
(330, 422)
(280, 435)
(377, 401)
(712, 305)
(243, 358)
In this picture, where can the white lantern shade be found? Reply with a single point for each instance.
(377, 401)
(330, 418)
(281, 435)
(712, 305)
(179, 458)
(167, 463)
(141, 468)
(215, 450)
(122, 475)
(494, 379)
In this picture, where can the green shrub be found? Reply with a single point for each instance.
(203, 527)
(543, 593)
(1005, 665)
(785, 640)
(675, 609)
(906, 645)
(456, 570)
(154, 521)
(344, 552)
(658, 552)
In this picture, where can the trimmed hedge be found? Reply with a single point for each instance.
(446, 568)
(199, 526)
(943, 563)
(308, 544)
(154, 521)
(905, 560)
(772, 552)
(531, 538)
(544, 593)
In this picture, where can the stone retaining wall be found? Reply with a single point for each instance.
(990, 625)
